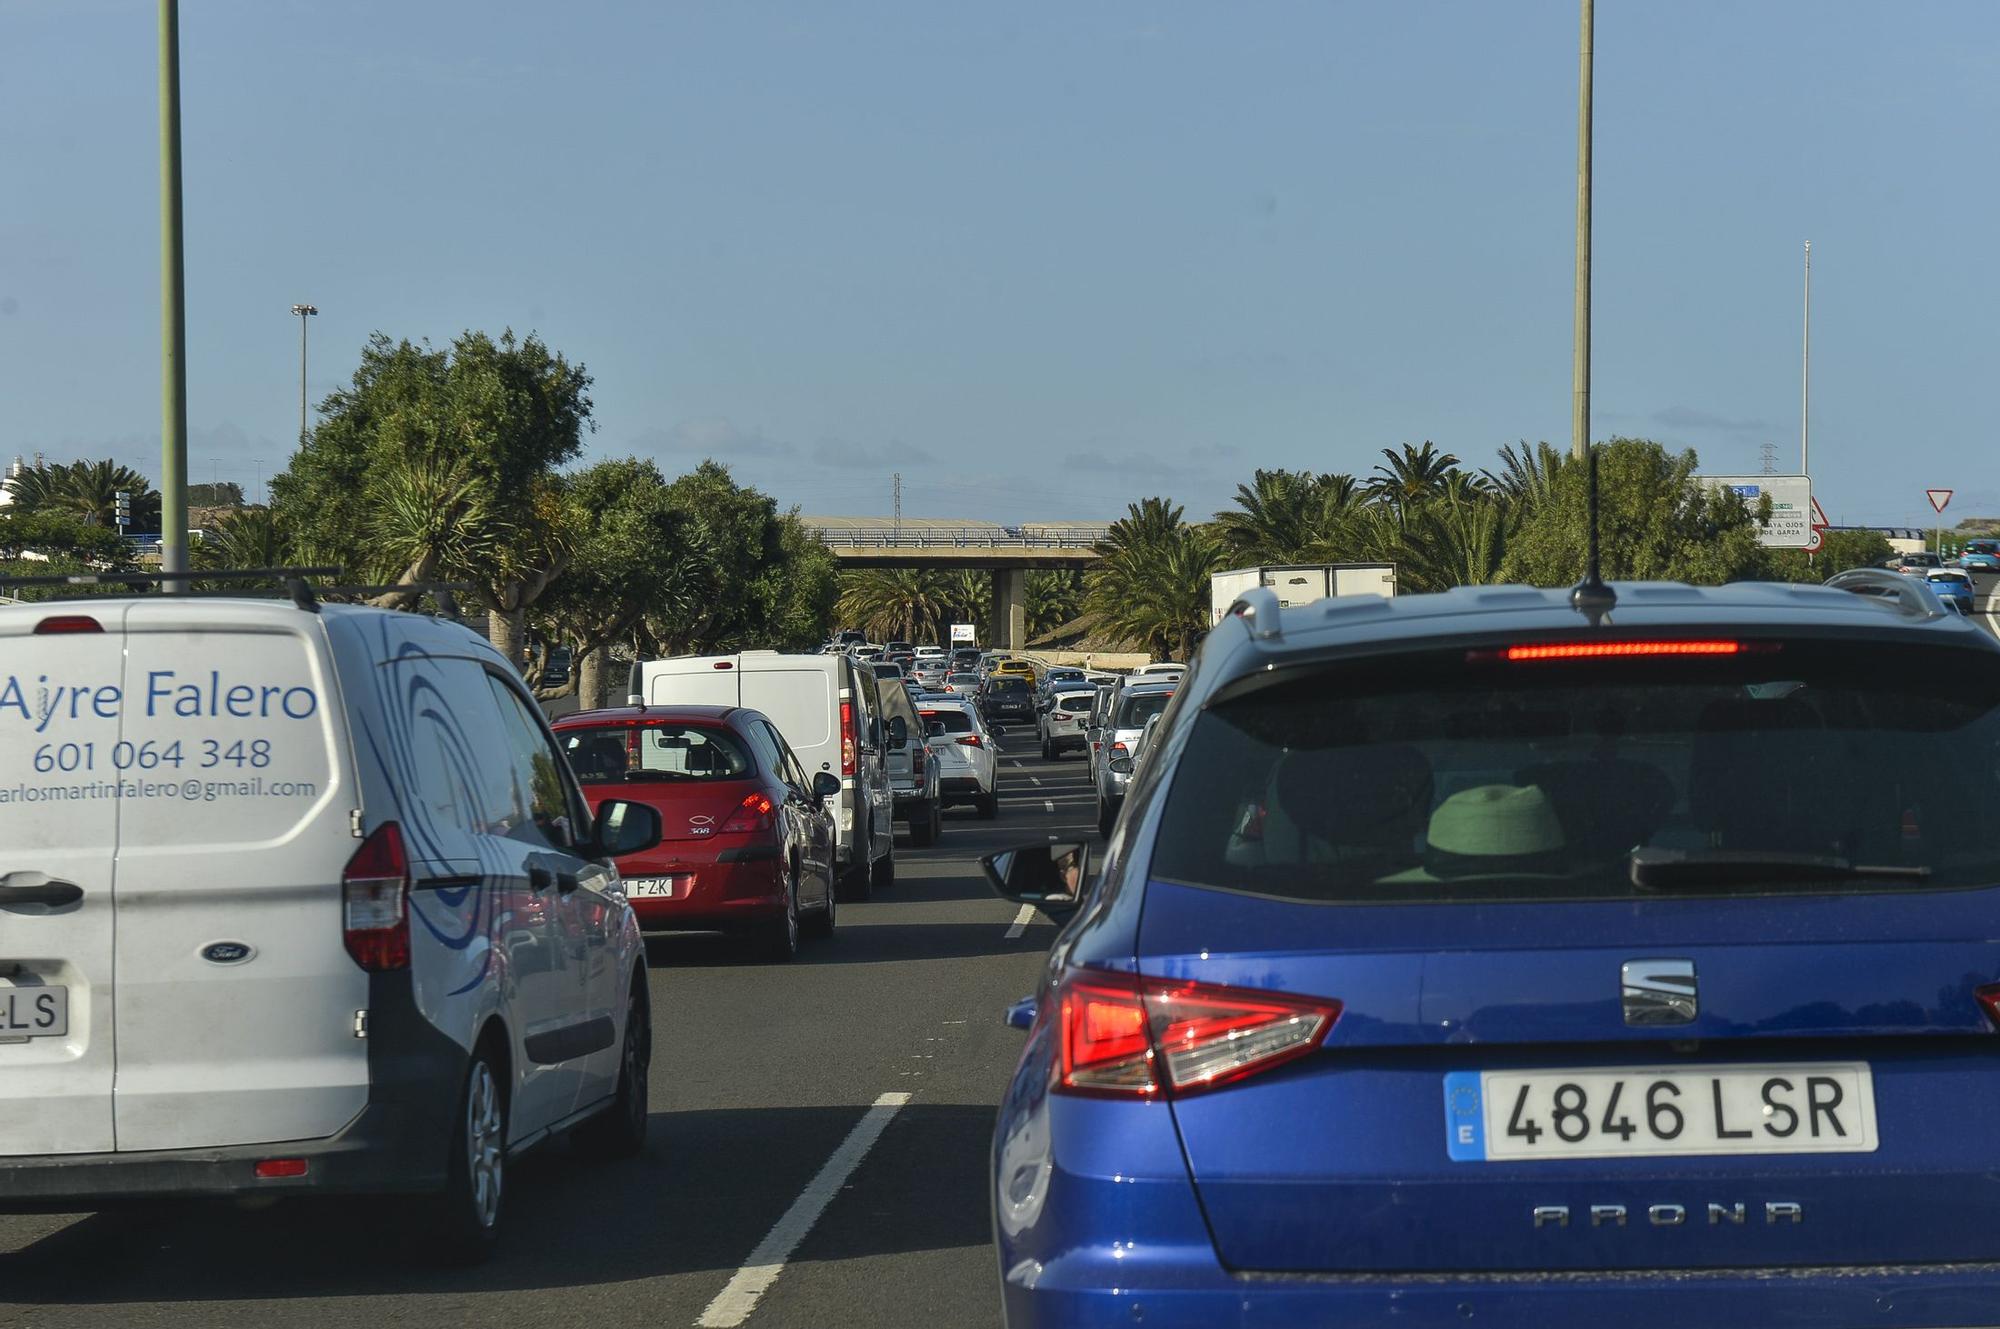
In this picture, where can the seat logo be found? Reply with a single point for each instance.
(227, 952)
(1660, 992)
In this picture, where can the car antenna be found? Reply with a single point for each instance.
(1592, 597)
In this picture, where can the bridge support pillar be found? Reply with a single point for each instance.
(1010, 609)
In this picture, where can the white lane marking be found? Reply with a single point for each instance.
(1021, 921)
(733, 1305)
(1033, 780)
(1048, 805)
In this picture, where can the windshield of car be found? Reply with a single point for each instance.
(612, 753)
(954, 721)
(1135, 708)
(1443, 778)
(961, 679)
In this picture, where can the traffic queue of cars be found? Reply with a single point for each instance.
(1508, 957)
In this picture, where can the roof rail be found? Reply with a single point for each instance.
(294, 579)
(1913, 598)
(1258, 608)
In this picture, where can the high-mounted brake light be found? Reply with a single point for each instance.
(1130, 1037)
(752, 814)
(374, 897)
(724, 664)
(62, 623)
(847, 738)
(1616, 650)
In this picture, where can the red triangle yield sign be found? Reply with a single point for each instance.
(1819, 522)
(1938, 498)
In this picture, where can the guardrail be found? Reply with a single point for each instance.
(889, 536)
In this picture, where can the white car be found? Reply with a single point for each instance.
(300, 900)
(930, 653)
(1065, 719)
(962, 684)
(968, 763)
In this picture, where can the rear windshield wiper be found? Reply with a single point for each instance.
(1667, 868)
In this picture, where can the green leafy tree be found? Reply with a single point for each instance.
(1291, 516)
(1410, 477)
(899, 604)
(1656, 523)
(58, 535)
(443, 463)
(1526, 477)
(638, 552)
(1450, 542)
(1055, 597)
(1839, 551)
(246, 538)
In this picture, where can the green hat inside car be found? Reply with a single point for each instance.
(1494, 829)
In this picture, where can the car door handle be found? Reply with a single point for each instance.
(52, 892)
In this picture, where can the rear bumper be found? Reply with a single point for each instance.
(725, 896)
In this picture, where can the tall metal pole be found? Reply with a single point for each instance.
(1805, 373)
(173, 322)
(1579, 420)
(304, 312)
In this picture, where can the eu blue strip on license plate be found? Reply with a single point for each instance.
(1464, 1117)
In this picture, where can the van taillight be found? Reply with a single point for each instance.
(58, 623)
(1989, 1001)
(374, 897)
(917, 762)
(1131, 1037)
(847, 738)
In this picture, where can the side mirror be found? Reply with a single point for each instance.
(1121, 765)
(625, 828)
(1048, 876)
(825, 785)
(899, 732)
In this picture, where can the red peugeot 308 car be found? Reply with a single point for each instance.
(746, 840)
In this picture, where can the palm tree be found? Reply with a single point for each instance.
(1449, 543)
(1152, 584)
(246, 538)
(906, 603)
(88, 491)
(1410, 477)
(1526, 477)
(1284, 516)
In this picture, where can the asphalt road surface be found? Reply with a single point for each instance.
(824, 1122)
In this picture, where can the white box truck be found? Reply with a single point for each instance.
(1299, 583)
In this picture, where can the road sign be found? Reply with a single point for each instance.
(963, 632)
(1938, 498)
(1792, 512)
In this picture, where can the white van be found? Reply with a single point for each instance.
(827, 708)
(298, 900)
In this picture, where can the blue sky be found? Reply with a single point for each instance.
(1041, 258)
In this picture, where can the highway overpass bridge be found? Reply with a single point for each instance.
(1007, 553)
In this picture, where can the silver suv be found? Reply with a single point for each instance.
(1131, 705)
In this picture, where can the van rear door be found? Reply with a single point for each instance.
(60, 695)
(237, 1018)
(699, 681)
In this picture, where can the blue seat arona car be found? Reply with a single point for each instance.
(1468, 959)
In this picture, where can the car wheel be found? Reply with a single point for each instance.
(885, 871)
(781, 936)
(859, 882)
(464, 1222)
(620, 1130)
(1048, 753)
(821, 923)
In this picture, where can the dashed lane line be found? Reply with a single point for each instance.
(734, 1304)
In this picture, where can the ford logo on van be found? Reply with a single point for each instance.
(227, 952)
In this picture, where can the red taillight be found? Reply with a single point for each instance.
(1601, 650)
(917, 762)
(752, 814)
(267, 1168)
(1141, 1037)
(724, 664)
(67, 623)
(374, 895)
(847, 738)
(1120, 750)
(1989, 1001)
(970, 741)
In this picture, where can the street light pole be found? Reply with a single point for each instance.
(1579, 420)
(304, 312)
(173, 323)
(1805, 372)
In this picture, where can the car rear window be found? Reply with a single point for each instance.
(1077, 703)
(1134, 709)
(954, 721)
(613, 753)
(1458, 778)
(1008, 683)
